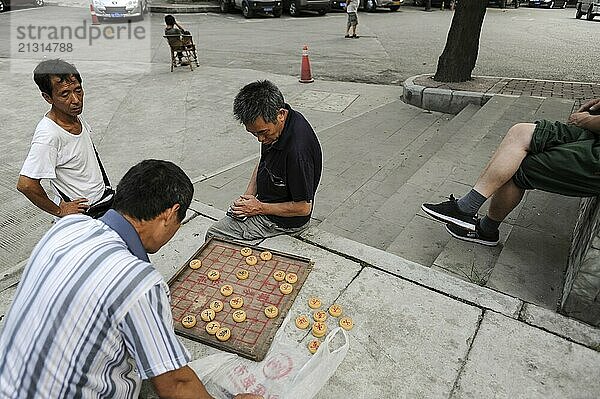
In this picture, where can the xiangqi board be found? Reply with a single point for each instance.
(194, 290)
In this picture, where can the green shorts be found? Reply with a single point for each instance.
(563, 159)
(352, 19)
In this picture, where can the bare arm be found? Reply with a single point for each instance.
(35, 193)
(586, 120)
(252, 187)
(287, 209)
(183, 383)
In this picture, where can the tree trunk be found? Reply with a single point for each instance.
(428, 5)
(460, 54)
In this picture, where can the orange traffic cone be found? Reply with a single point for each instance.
(305, 73)
(95, 20)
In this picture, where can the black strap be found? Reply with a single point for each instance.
(104, 177)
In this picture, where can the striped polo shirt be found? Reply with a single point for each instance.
(91, 316)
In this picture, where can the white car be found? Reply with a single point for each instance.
(372, 5)
(589, 8)
(129, 9)
(548, 3)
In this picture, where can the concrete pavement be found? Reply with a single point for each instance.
(419, 332)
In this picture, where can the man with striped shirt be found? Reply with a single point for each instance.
(91, 317)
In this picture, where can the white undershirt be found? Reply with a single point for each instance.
(352, 6)
(67, 160)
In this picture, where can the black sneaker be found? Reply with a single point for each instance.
(476, 236)
(448, 212)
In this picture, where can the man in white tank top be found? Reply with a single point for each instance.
(62, 150)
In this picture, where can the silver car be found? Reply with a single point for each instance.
(129, 9)
(372, 5)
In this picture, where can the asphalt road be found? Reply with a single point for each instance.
(528, 43)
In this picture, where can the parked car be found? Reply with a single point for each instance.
(295, 7)
(589, 8)
(548, 3)
(6, 5)
(372, 5)
(337, 4)
(118, 9)
(506, 3)
(251, 7)
(434, 3)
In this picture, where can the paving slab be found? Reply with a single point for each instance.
(224, 196)
(407, 341)
(17, 238)
(421, 241)
(510, 359)
(356, 210)
(460, 146)
(549, 213)
(435, 280)
(560, 325)
(469, 261)
(6, 297)
(557, 109)
(325, 101)
(206, 210)
(531, 267)
(391, 218)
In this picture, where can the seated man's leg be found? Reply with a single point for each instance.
(504, 200)
(499, 170)
(506, 160)
(253, 229)
(562, 159)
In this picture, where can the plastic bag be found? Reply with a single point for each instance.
(288, 371)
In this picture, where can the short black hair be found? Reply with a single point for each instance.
(169, 20)
(151, 187)
(260, 98)
(43, 72)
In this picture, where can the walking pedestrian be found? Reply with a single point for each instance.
(352, 10)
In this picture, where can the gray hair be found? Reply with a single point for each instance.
(260, 98)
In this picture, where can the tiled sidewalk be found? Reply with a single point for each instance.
(544, 88)
(578, 91)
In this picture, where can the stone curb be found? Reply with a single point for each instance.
(441, 100)
(472, 294)
(453, 101)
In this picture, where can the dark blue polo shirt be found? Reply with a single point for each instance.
(125, 230)
(290, 168)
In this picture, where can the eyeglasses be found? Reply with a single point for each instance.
(276, 180)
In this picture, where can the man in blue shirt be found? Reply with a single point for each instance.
(280, 194)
